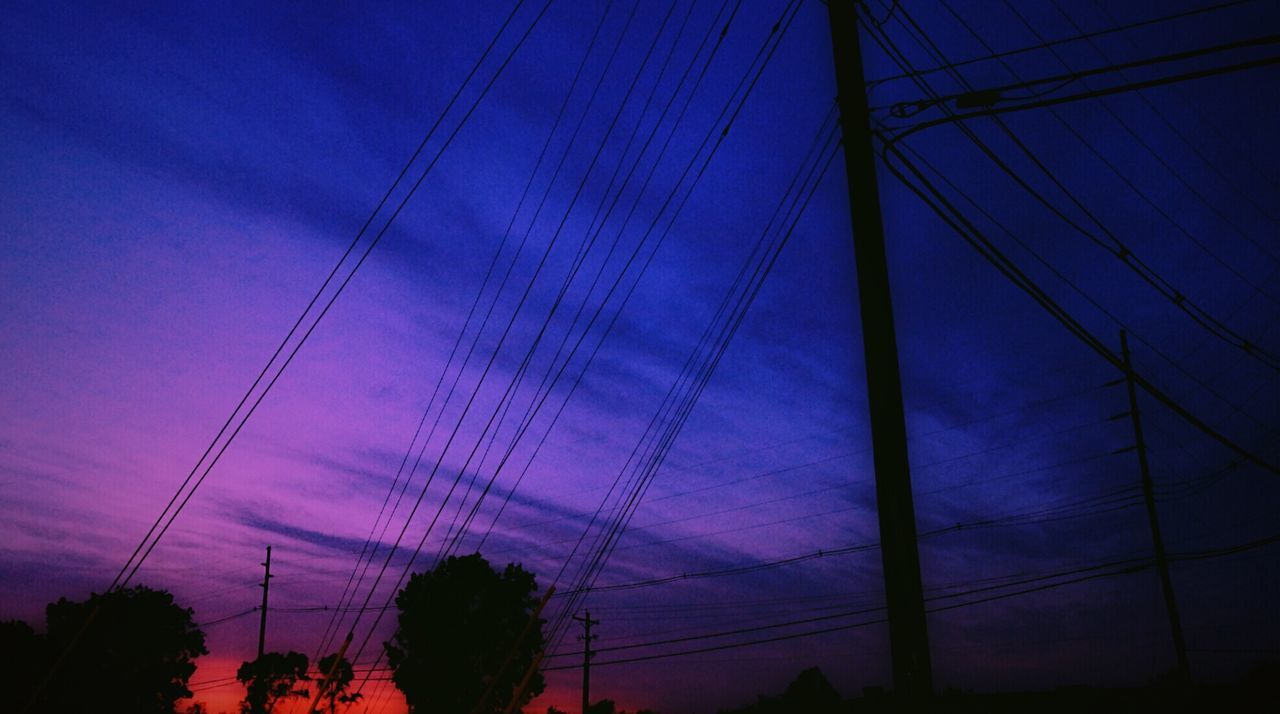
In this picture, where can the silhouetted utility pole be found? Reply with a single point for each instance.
(266, 584)
(518, 694)
(327, 680)
(587, 654)
(512, 653)
(904, 593)
(1162, 562)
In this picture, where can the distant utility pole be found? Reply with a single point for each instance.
(1162, 562)
(266, 584)
(587, 654)
(904, 592)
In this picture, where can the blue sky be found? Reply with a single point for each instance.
(178, 181)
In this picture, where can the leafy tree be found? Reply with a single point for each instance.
(134, 651)
(810, 692)
(336, 692)
(457, 625)
(270, 678)
(22, 660)
(608, 706)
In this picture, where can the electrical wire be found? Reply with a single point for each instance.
(422, 541)
(353, 584)
(1118, 249)
(548, 383)
(1083, 36)
(130, 567)
(928, 193)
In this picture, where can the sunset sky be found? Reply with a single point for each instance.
(178, 180)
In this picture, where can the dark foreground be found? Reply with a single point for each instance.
(810, 693)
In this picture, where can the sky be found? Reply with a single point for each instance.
(178, 181)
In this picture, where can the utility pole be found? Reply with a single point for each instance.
(265, 585)
(587, 654)
(904, 592)
(1162, 562)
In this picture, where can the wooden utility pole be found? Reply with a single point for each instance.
(587, 654)
(518, 693)
(327, 680)
(1162, 561)
(265, 585)
(904, 592)
(514, 651)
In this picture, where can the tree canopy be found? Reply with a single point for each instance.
(134, 650)
(809, 692)
(457, 626)
(270, 678)
(22, 660)
(604, 706)
(336, 692)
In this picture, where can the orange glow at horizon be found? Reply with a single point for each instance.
(215, 686)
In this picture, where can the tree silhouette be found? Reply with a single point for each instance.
(607, 706)
(133, 651)
(22, 657)
(809, 692)
(336, 692)
(812, 692)
(458, 624)
(270, 678)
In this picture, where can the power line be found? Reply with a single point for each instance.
(643, 477)
(153, 536)
(1138, 138)
(988, 251)
(548, 382)
(589, 241)
(626, 298)
(228, 618)
(1119, 250)
(1118, 28)
(679, 182)
(1092, 505)
(1091, 570)
(456, 480)
(1038, 403)
(608, 539)
(1038, 583)
(921, 160)
(1172, 294)
(368, 250)
(509, 326)
(1245, 155)
(1186, 141)
(985, 100)
(970, 234)
(826, 489)
(121, 578)
(334, 625)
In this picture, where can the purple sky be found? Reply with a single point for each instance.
(177, 182)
